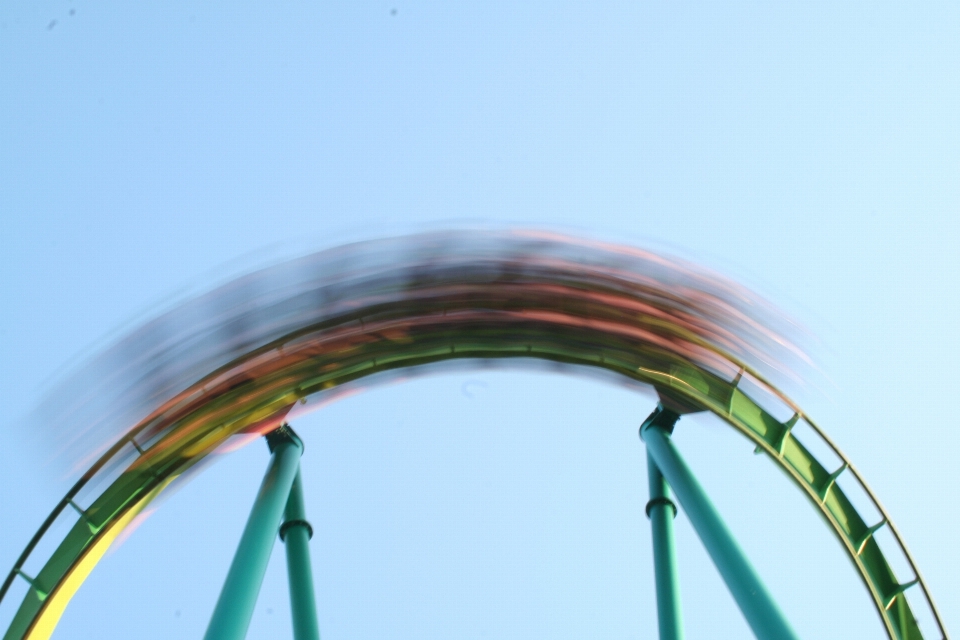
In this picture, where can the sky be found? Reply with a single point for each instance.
(151, 150)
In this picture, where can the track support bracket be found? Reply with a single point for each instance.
(755, 602)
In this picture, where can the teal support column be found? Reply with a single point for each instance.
(234, 609)
(296, 533)
(661, 510)
(756, 604)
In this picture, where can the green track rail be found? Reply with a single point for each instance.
(255, 392)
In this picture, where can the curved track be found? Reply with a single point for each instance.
(320, 324)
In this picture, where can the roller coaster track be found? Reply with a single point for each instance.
(340, 320)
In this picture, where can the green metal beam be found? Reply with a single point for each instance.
(757, 605)
(661, 510)
(296, 533)
(234, 609)
(189, 433)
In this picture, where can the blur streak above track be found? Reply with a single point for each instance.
(238, 359)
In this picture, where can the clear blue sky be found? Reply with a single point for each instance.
(809, 150)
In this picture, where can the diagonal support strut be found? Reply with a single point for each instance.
(758, 607)
(231, 617)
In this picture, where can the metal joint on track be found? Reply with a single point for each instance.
(289, 524)
(661, 502)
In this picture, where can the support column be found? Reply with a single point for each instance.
(756, 604)
(661, 510)
(234, 609)
(296, 533)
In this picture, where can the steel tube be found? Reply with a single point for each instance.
(661, 510)
(296, 533)
(756, 604)
(234, 609)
